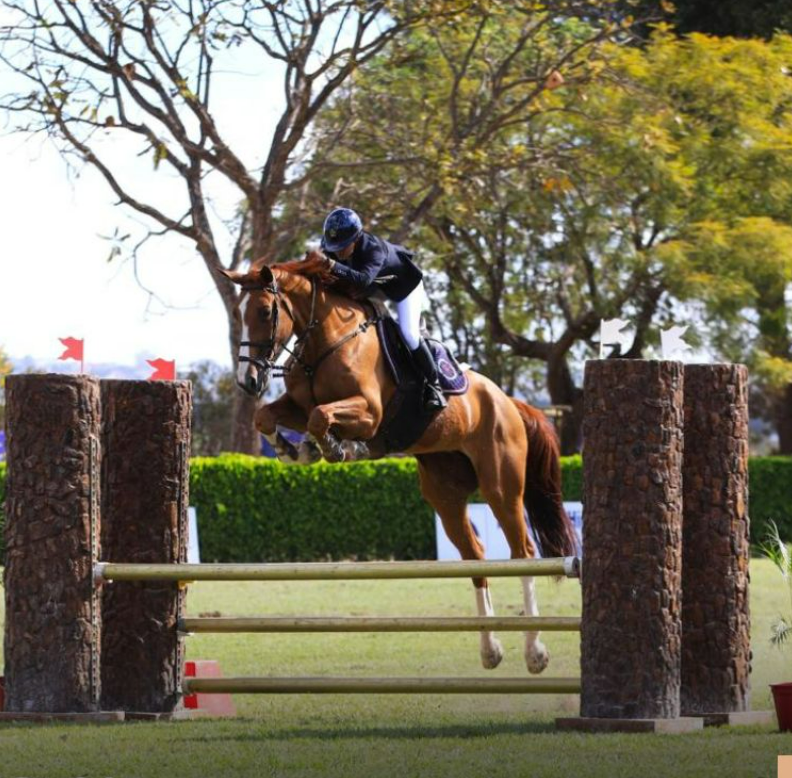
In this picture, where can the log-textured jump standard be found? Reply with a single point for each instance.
(146, 446)
(280, 624)
(52, 627)
(632, 536)
(716, 646)
(336, 571)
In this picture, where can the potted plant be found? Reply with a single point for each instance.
(780, 554)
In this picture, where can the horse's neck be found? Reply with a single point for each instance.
(336, 315)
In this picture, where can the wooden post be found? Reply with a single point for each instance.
(632, 541)
(146, 443)
(52, 620)
(716, 650)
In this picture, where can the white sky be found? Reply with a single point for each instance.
(54, 277)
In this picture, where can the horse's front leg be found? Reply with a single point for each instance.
(286, 412)
(341, 428)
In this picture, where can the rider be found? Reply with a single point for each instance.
(369, 264)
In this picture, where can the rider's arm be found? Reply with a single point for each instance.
(363, 278)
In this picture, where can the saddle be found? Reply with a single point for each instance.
(404, 418)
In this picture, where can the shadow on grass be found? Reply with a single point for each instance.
(455, 731)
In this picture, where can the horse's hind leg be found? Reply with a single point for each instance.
(501, 474)
(447, 480)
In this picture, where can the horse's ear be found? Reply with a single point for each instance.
(265, 276)
(234, 275)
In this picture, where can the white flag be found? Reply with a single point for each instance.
(671, 341)
(610, 334)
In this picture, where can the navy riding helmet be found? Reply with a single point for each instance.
(341, 227)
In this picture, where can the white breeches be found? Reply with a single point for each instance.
(408, 312)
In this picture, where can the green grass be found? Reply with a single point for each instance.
(397, 735)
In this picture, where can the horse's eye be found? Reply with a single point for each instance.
(265, 313)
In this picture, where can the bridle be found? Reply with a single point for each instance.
(265, 362)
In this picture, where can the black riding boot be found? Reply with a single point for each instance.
(433, 398)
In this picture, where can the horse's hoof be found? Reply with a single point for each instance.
(492, 656)
(536, 658)
(354, 450)
(309, 452)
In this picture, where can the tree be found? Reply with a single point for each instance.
(213, 392)
(411, 136)
(656, 189)
(108, 81)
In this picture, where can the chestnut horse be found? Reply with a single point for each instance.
(337, 385)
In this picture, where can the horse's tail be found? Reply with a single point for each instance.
(551, 524)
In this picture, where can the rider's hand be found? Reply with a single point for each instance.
(326, 272)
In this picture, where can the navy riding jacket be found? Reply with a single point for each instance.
(376, 265)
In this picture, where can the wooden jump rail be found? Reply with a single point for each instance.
(336, 571)
(309, 685)
(281, 624)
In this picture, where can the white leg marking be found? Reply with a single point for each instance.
(244, 351)
(536, 655)
(491, 648)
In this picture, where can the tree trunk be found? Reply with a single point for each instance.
(563, 391)
(246, 437)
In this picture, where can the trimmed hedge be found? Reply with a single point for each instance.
(770, 495)
(252, 509)
(255, 510)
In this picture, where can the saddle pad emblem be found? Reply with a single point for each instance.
(446, 368)
(452, 378)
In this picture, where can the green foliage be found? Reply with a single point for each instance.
(252, 509)
(572, 478)
(255, 510)
(770, 484)
(654, 186)
(780, 554)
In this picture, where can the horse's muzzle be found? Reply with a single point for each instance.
(255, 381)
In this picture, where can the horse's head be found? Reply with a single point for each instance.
(264, 330)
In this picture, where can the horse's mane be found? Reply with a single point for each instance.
(312, 265)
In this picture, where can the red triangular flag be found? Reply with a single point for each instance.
(74, 349)
(164, 370)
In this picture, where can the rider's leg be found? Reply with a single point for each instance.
(409, 315)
